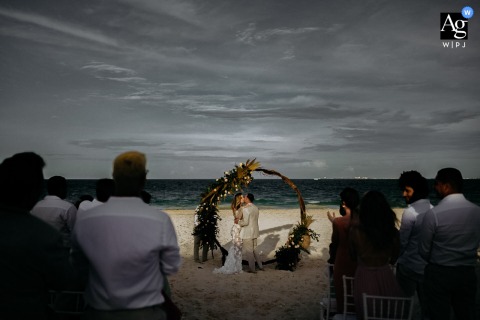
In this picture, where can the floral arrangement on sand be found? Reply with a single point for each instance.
(299, 238)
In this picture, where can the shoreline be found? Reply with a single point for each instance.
(226, 206)
(273, 294)
(226, 211)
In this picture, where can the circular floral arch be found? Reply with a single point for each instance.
(232, 181)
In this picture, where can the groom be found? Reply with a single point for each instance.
(250, 233)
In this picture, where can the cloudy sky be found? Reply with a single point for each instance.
(310, 88)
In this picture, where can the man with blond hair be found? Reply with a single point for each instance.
(130, 248)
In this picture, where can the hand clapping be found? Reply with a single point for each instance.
(331, 216)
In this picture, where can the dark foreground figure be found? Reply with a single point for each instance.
(33, 258)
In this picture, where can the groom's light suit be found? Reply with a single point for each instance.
(249, 234)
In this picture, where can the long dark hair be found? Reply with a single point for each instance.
(235, 202)
(377, 219)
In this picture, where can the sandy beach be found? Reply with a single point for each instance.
(273, 294)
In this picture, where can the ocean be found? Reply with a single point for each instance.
(271, 193)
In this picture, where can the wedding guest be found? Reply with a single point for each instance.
(340, 255)
(33, 258)
(375, 242)
(410, 264)
(82, 198)
(105, 188)
(197, 243)
(129, 248)
(250, 232)
(146, 196)
(55, 210)
(331, 215)
(449, 241)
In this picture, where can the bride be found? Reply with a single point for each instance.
(233, 263)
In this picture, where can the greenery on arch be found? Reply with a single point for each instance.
(233, 181)
(207, 211)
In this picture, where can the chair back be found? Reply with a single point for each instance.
(391, 308)
(67, 302)
(348, 298)
(328, 303)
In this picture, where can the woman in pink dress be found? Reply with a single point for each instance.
(375, 242)
(344, 263)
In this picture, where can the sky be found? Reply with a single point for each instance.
(310, 88)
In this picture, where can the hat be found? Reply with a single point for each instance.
(130, 164)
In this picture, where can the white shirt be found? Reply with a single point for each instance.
(410, 229)
(58, 213)
(129, 246)
(451, 232)
(87, 205)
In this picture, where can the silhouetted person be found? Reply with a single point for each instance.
(54, 210)
(146, 196)
(410, 265)
(375, 242)
(105, 188)
(449, 241)
(32, 255)
(82, 198)
(339, 248)
(128, 247)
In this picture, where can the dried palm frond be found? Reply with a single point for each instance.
(308, 221)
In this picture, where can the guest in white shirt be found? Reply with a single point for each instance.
(128, 248)
(449, 241)
(410, 265)
(55, 210)
(104, 189)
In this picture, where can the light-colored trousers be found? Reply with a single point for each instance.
(251, 254)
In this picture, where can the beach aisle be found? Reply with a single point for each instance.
(273, 294)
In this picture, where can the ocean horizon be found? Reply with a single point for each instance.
(270, 193)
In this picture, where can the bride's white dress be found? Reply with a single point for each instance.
(233, 263)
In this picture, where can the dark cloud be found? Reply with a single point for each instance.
(454, 116)
(114, 144)
(311, 88)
